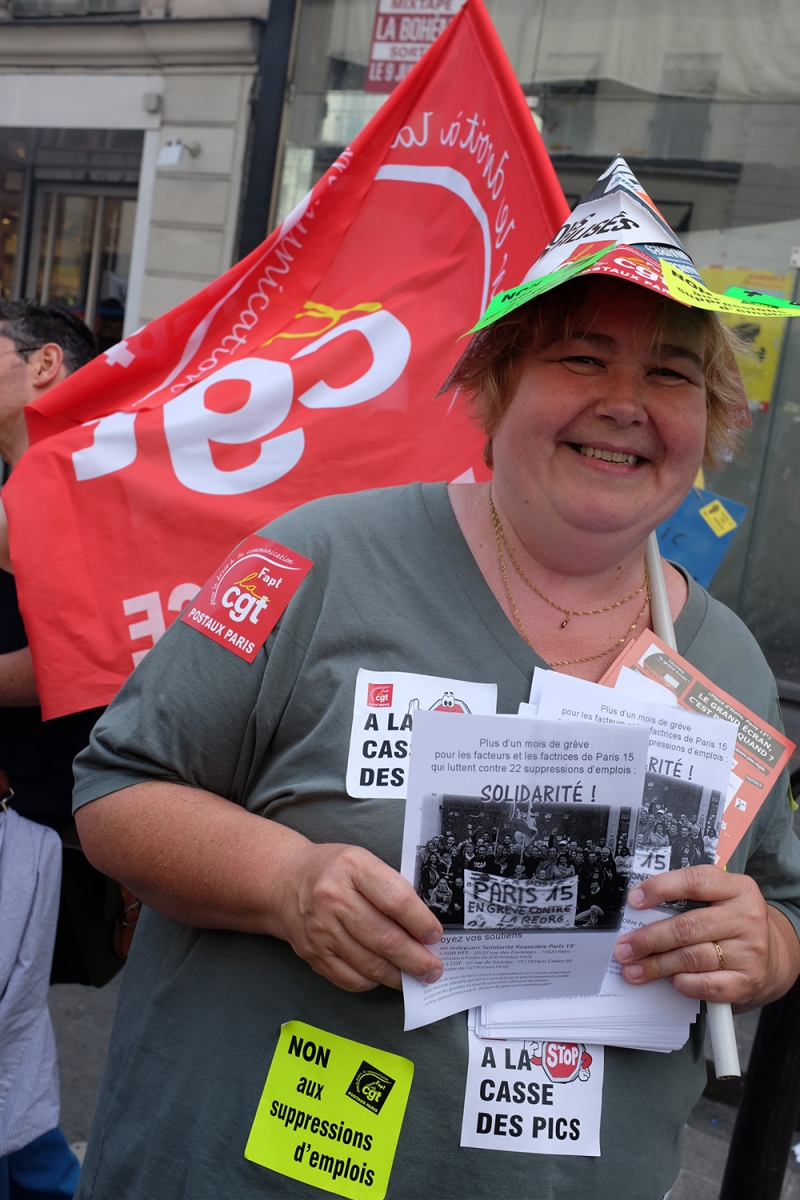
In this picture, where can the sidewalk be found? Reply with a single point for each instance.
(708, 1133)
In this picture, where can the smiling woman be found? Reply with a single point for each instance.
(222, 793)
(598, 409)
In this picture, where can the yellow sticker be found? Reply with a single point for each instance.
(717, 517)
(331, 1112)
(688, 291)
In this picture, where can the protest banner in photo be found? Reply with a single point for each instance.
(311, 368)
(494, 902)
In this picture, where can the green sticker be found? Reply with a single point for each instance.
(506, 302)
(740, 293)
(688, 291)
(331, 1112)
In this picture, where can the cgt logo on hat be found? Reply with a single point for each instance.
(370, 1087)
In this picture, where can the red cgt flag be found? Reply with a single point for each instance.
(310, 368)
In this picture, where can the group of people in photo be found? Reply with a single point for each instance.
(683, 839)
(602, 876)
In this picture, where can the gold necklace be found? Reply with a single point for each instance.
(570, 612)
(500, 539)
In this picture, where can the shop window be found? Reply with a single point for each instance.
(67, 213)
(81, 256)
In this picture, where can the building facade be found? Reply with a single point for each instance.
(146, 144)
(123, 145)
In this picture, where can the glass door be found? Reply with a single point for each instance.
(80, 255)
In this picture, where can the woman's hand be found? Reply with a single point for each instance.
(759, 947)
(206, 862)
(354, 919)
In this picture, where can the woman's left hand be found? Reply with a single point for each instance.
(760, 952)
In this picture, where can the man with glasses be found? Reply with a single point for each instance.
(39, 346)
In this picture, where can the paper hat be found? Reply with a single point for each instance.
(617, 231)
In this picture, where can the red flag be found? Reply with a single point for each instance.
(310, 368)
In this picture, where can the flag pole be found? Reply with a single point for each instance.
(720, 1016)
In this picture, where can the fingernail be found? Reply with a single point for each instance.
(623, 952)
(636, 898)
(431, 939)
(633, 973)
(434, 975)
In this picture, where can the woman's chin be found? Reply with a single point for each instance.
(598, 518)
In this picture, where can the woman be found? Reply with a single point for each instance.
(599, 404)
(563, 868)
(656, 837)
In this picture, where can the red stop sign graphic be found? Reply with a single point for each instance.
(561, 1061)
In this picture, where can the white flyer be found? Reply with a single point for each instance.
(384, 708)
(688, 769)
(494, 804)
(533, 1097)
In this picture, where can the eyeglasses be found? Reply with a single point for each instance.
(22, 350)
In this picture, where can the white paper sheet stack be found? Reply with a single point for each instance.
(653, 1016)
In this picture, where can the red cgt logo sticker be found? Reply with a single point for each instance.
(242, 602)
(379, 695)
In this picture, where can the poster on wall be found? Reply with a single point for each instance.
(762, 335)
(699, 533)
(403, 31)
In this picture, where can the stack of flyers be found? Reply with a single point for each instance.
(480, 790)
(760, 753)
(706, 752)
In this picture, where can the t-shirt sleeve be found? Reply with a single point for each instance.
(769, 851)
(774, 860)
(773, 849)
(185, 716)
(195, 713)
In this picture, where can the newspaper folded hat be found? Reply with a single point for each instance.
(617, 231)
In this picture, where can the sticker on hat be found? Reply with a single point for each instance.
(617, 231)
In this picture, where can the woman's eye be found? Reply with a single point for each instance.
(667, 373)
(581, 360)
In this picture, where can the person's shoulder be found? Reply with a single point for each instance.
(350, 518)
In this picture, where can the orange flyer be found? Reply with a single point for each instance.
(761, 752)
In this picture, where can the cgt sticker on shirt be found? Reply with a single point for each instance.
(331, 1112)
(242, 602)
(383, 721)
(533, 1097)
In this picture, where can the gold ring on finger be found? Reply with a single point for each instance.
(720, 959)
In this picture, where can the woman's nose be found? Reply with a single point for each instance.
(622, 397)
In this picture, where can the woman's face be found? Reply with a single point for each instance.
(606, 391)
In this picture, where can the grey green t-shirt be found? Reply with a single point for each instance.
(394, 587)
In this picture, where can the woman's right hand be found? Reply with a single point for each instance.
(206, 862)
(354, 919)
